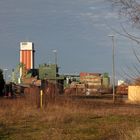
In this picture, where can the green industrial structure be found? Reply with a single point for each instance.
(50, 73)
(105, 80)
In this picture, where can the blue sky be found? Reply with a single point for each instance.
(77, 29)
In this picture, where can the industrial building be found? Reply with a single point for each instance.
(95, 81)
(26, 56)
(91, 79)
(70, 78)
(88, 83)
(48, 71)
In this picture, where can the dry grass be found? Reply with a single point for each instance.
(68, 119)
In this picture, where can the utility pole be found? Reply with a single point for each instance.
(55, 56)
(113, 65)
(55, 61)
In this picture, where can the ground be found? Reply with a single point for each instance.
(69, 118)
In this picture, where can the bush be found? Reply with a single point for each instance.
(2, 83)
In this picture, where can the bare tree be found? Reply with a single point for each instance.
(131, 10)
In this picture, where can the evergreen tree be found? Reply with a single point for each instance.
(2, 82)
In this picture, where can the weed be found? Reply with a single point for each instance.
(68, 119)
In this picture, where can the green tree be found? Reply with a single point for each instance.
(2, 82)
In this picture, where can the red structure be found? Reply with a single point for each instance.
(27, 54)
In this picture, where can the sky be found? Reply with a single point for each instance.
(77, 29)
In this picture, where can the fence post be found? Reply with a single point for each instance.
(41, 98)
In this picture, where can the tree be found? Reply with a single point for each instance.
(2, 82)
(131, 10)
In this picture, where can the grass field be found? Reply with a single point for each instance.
(69, 119)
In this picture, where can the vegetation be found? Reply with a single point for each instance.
(69, 120)
(1, 82)
(130, 9)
